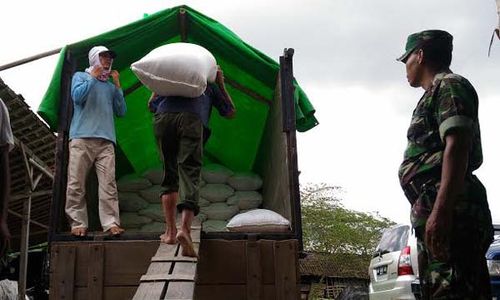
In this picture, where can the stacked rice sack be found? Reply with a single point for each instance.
(223, 194)
(139, 200)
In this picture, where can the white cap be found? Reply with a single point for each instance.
(95, 51)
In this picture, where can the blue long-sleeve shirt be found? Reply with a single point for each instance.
(95, 104)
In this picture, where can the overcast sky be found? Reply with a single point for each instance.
(344, 59)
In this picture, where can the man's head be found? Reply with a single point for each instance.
(101, 55)
(428, 50)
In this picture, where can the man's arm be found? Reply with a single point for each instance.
(455, 163)
(219, 80)
(80, 87)
(4, 197)
(4, 180)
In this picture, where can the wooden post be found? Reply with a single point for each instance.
(287, 95)
(23, 265)
(25, 231)
(65, 113)
(183, 26)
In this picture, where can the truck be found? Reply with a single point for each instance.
(271, 106)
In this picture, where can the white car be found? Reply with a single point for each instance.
(394, 265)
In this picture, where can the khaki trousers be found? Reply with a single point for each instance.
(83, 154)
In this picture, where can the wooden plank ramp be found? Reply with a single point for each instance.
(170, 275)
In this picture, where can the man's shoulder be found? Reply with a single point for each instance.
(456, 85)
(453, 79)
(2, 105)
(81, 75)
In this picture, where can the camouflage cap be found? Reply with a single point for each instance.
(417, 39)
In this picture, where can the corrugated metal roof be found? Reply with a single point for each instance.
(334, 265)
(39, 143)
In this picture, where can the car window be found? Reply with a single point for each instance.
(393, 239)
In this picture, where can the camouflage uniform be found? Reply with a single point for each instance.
(450, 103)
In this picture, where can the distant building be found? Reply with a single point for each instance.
(325, 275)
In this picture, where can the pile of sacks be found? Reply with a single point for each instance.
(139, 199)
(223, 194)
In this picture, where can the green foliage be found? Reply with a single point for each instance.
(329, 227)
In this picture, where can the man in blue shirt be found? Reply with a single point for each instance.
(92, 139)
(181, 128)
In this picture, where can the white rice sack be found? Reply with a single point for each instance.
(220, 211)
(132, 183)
(259, 220)
(152, 194)
(203, 202)
(155, 175)
(177, 69)
(133, 220)
(245, 181)
(245, 200)
(153, 227)
(8, 290)
(214, 173)
(216, 192)
(214, 226)
(154, 212)
(131, 202)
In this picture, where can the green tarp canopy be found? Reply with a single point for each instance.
(250, 80)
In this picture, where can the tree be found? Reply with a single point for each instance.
(329, 227)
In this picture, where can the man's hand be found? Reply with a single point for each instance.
(116, 78)
(437, 233)
(231, 115)
(96, 71)
(150, 102)
(219, 78)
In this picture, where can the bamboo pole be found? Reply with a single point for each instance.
(29, 59)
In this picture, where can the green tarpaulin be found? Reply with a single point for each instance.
(251, 81)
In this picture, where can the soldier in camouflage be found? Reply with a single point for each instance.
(449, 209)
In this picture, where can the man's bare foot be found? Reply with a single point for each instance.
(187, 245)
(116, 230)
(169, 237)
(79, 231)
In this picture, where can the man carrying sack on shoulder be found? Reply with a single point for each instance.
(181, 129)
